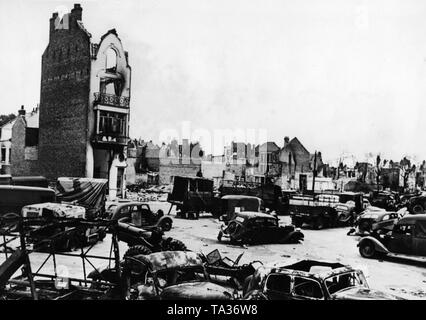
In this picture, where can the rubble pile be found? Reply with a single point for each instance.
(147, 194)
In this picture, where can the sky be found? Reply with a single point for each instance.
(345, 77)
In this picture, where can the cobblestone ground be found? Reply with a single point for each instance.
(402, 278)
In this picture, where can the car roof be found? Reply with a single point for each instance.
(254, 214)
(412, 218)
(239, 197)
(53, 206)
(303, 268)
(164, 260)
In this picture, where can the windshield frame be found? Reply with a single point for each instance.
(357, 272)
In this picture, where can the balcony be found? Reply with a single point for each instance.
(111, 100)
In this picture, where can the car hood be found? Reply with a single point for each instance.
(358, 293)
(196, 291)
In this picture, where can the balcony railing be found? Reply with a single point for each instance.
(112, 100)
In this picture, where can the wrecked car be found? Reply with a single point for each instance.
(417, 204)
(374, 220)
(60, 220)
(249, 227)
(140, 215)
(407, 239)
(171, 275)
(311, 280)
(225, 270)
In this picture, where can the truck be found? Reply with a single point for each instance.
(325, 210)
(271, 194)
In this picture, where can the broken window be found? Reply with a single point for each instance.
(280, 283)
(111, 60)
(111, 123)
(31, 137)
(307, 288)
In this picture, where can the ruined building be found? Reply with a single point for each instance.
(84, 104)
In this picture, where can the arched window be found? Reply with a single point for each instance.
(111, 59)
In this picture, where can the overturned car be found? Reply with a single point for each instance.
(311, 280)
(249, 227)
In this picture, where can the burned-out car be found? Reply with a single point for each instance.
(61, 221)
(171, 275)
(249, 227)
(417, 204)
(140, 215)
(311, 280)
(407, 239)
(372, 220)
(224, 270)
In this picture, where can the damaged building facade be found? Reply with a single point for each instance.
(84, 104)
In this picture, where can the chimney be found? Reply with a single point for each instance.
(21, 112)
(77, 11)
(286, 140)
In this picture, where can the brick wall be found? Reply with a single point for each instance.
(64, 100)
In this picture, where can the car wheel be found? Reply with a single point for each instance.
(171, 244)
(166, 225)
(418, 209)
(367, 249)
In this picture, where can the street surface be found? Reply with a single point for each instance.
(403, 278)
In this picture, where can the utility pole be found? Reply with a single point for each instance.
(314, 172)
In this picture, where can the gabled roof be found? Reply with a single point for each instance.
(269, 146)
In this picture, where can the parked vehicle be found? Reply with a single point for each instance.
(311, 280)
(231, 204)
(372, 220)
(249, 227)
(224, 270)
(407, 239)
(47, 220)
(171, 275)
(14, 198)
(271, 194)
(326, 210)
(417, 204)
(384, 199)
(140, 215)
(191, 196)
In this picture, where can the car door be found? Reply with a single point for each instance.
(401, 239)
(419, 239)
(278, 286)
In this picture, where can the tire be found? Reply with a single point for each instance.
(171, 244)
(367, 249)
(418, 209)
(166, 224)
(137, 250)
